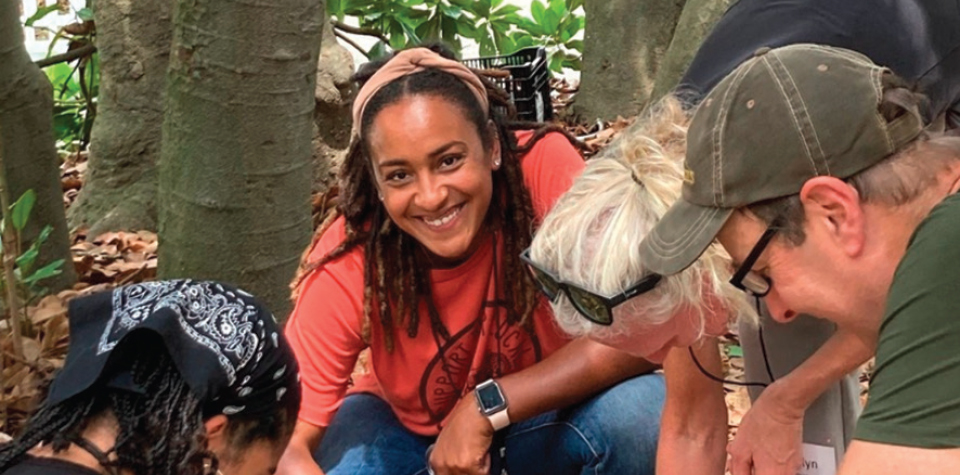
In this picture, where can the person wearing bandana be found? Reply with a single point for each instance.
(161, 378)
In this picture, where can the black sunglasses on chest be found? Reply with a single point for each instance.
(594, 307)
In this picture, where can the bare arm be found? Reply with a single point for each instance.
(842, 353)
(693, 432)
(868, 458)
(298, 457)
(578, 370)
(770, 436)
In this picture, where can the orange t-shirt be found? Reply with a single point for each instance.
(424, 377)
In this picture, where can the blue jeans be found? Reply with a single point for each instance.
(614, 432)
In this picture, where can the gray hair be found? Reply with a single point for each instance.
(592, 235)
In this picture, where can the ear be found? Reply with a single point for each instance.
(216, 433)
(832, 208)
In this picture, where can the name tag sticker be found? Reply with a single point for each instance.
(818, 460)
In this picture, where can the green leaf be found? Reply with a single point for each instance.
(505, 11)
(411, 32)
(550, 23)
(487, 48)
(522, 39)
(396, 34)
(448, 33)
(85, 14)
(451, 11)
(574, 4)
(20, 211)
(41, 12)
(574, 64)
(538, 10)
(734, 351)
(531, 27)
(429, 30)
(50, 270)
(25, 261)
(466, 30)
(482, 8)
(575, 45)
(378, 50)
(464, 4)
(505, 44)
(556, 61)
(558, 7)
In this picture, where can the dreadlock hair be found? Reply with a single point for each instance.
(161, 428)
(396, 275)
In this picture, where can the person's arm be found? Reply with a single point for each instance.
(869, 458)
(769, 439)
(573, 373)
(324, 331)
(693, 430)
(297, 459)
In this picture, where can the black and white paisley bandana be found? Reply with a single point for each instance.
(227, 346)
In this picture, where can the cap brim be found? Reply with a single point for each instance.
(681, 236)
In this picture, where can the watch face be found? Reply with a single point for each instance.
(490, 398)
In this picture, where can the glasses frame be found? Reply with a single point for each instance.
(644, 285)
(746, 268)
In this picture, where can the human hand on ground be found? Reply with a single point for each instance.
(769, 440)
(464, 443)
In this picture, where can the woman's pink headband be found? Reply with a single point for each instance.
(408, 62)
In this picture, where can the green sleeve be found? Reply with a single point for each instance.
(915, 390)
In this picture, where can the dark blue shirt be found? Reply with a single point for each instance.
(918, 39)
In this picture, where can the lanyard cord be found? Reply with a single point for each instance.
(766, 363)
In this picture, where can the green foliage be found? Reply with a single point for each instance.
(74, 103)
(41, 13)
(28, 278)
(498, 28)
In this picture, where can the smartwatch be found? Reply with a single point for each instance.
(492, 403)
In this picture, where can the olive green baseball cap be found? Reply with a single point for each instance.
(782, 117)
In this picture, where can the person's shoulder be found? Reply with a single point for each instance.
(331, 238)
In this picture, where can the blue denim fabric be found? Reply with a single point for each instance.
(615, 432)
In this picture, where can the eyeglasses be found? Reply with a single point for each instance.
(594, 307)
(745, 278)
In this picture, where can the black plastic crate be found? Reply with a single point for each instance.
(528, 84)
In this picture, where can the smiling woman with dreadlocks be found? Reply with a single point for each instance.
(440, 193)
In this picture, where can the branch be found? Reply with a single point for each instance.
(358, 31)
(350, 42)
(68, 56)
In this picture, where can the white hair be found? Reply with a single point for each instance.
(592, 235)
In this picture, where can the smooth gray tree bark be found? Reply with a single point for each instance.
(30, 156)
(235, 167)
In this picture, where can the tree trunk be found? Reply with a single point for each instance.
(235, 165)
(624, 43)
(696, 22)
(30, 155)
(334, 96)
(133, 37)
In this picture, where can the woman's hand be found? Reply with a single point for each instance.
(769, 440)
(464, 443)
(297, 459)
